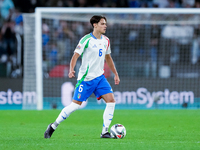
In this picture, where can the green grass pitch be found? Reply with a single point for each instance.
(146, 130)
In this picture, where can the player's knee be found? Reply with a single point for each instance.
(111, 100)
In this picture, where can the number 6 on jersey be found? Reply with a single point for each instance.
(100, 52)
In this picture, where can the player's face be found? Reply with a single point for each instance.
(101, 26)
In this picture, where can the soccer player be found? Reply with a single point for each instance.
(94, 49)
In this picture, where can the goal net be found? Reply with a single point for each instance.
(156, 53)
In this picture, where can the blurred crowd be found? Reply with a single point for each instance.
(11, 29)
(173, 41)
(29, 5)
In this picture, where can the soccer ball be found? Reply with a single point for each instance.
(118, 131)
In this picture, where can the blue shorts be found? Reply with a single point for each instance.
(99, 86)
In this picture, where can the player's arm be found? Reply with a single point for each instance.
(72, 65)
(111, 65)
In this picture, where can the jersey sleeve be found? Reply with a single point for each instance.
(80, 47)
(108, 49)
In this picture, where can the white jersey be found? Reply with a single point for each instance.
(93, 53)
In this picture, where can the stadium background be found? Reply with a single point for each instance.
(183, 66)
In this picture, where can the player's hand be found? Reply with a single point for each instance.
(71, 74)
(117, 80)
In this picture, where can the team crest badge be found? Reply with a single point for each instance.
(79, 96)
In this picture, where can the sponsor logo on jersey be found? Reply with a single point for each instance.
(78, 47)
(94, 46)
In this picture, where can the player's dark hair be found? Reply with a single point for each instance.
(96, 19)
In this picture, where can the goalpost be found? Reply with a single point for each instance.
(156, 53)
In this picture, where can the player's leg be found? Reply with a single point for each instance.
(104, 91)
(81, 93)
(108, 113)
(66, 111)
(64, 114)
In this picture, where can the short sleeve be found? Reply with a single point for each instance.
(108, 51)
(79, 48)
(82, 44)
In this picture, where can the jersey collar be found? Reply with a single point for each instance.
(94, 36)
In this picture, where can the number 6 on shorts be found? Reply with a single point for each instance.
(80, 88)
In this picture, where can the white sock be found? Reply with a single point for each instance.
(107, 116)
(64, 114)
